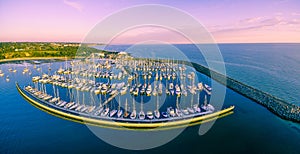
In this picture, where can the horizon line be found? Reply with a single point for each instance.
(148, 43)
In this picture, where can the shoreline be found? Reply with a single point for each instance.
(34, 58)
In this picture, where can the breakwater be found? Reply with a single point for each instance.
(276, 105)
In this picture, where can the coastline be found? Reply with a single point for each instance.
(34, 58)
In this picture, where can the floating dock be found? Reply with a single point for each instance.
(122, 123)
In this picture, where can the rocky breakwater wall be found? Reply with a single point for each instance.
(278, 106)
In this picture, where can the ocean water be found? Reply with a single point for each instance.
(273, 68)
(252, 128)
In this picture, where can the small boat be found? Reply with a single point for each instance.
(123, 90)
(112, 113)
(171, 112)
(156, 114)
(171, 88)
(74, 106)
(191, 110)
(1, 73)
(210, 107)
(196, 108)
(178, 112)
(97, 91)
(60, 70)
(160, 86)
(47, 97)
(184, 92)
(25, 70)
(156, 76)
(178, 92)
(84, 108)
(58, 103)
(91, 109)
(154, 93)
(149, 90)
(133, 114)
(104, 89)
(105, 112)
(207, 87)
(136, 91)
(132, 89)
(143, 89)
(69, 105)
(185, 111)
(164, 114)
(120, 112)
(126, 114)
(168, 92)
(7, 78)
(53, 100)
(98, 111)
(150, 114)
(141, 115)
(200, 86)
(79, 107)
(62, 104)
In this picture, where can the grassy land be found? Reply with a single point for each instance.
(27, 50)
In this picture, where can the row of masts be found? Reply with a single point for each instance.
(134, 76)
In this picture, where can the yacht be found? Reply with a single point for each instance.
(120, 112)
(164, 114)
(196, 108)
(7, 78)
(149, 90)
(178, 112)
(178, 92)
(150, 114)
(141, 115)
(112, 113)
(99, 111)
(105, 112)
(156, 114)
(133, 114)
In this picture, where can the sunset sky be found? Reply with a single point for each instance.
(229, 21)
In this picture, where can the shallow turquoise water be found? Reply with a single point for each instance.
(252, 128)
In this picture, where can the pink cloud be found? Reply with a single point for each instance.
(74, 5)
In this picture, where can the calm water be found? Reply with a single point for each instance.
(252, 128)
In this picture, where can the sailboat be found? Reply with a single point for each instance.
(149, 90)
(178, 92)
(113, 112)
(141, 114)
(126, 114)
(133, 113)
(1, 73)
(156, 112)
(105, 112)
(7, 78)
(120, 111)
(150, 115)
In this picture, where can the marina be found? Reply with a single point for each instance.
(123, 91)
(231, 131)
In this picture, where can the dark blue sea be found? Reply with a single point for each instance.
(273, 68)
